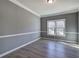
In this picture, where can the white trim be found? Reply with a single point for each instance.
(22, 6)
(56, 19)
(71, 45)
(72, 32)
(8, 52)
(45, 38)
(66, 32)
(72, 10)
(12, 35)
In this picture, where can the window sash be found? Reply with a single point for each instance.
(55, 29)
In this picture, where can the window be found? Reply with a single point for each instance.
(51, 28)
(56, 27)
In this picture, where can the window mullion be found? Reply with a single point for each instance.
(55, 28)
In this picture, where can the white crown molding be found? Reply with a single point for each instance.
(72, 10)
(20, 34)
(24, 7)
(8, 52)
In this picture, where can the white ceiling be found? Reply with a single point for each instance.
(43, 9)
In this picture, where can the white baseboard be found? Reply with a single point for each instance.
(71, 45)
(8, 52)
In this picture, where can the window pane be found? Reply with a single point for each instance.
(60, 23)
(60, 31)
(51, 31)
(51, 26)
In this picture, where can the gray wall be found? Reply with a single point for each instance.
(78, 28)
(71, 25)
(14, 20)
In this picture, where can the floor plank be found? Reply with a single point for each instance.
(45, 49)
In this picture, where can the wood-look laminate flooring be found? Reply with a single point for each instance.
(45, 49)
